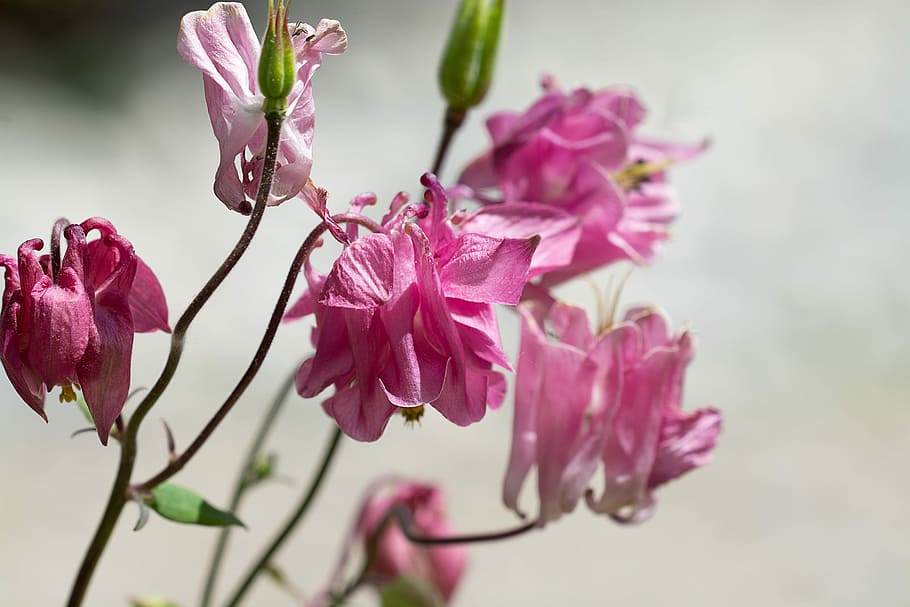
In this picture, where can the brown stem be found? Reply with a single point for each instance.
(120, 489)
(258, 358)
(453, 120)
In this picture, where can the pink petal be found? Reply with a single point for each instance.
(559, 231)
(25, 380)
(362, 275)
(479, 331)
(147, 303)
(221, 43)
(62, 321)
(485, 269)
(687, 441)
(635, 430)
(104, 371)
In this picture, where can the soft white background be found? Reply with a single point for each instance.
(789, 262)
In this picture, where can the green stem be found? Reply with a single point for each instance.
(241, 483)
(120, 489)
(291, 523)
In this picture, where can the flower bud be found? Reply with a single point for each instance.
(467, 63)
(277, 62)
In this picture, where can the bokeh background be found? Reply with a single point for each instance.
(789, 262)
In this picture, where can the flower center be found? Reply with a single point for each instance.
(639, 172)
(67, 394)
(412, 415)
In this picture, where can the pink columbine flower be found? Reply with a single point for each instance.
(221, 43)
(74, 325)
(580, 152)
(613, 400)
(405, 318)
(395, 556)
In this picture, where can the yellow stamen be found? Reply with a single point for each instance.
(67, 394)
(412, 415)
(637, 173)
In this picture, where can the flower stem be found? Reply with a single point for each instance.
(119, 490)
(265, 343)
(453, 120)
(241, 483)
(56, 232)
(291, 523)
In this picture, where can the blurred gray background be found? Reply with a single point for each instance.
(789, 262)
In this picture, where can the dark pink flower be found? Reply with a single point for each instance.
(611, 400)
(74, 325)
(405, 318)
(580, 152)
(221, 43)
(395, 556)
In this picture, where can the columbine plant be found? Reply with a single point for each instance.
(404, 317)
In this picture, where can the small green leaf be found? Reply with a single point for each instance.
(410, 592)
(151, 601)
(261, 469)
(184, 506)
(80, 402)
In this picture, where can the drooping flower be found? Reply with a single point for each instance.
(221, 43)
(395, 556)
(580, 152)
(74, 325)
(405, 318)
(611, 400)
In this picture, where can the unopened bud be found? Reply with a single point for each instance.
(467, 63)
(277, 63)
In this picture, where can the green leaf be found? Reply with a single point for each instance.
(151, 601)
(80, 402)
(184, 506)
(410, 592)
(261, 469)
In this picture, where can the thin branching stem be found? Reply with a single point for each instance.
(129, 448)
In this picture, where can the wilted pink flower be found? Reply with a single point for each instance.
(395, 556)
(74, 325)
(579, 152)
(612, 399)
(221, 43)
(405, 318)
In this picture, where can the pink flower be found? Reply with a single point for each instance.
(405, 318)
(221, 43)
(395, 556)
(613, 400)
(74, 324)
(580, 153)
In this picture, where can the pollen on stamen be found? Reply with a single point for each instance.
(412, 415)
(67, 394)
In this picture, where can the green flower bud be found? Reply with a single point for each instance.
(467, 63)
(277, 64)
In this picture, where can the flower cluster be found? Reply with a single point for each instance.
(405, 318)
(610, 399)
(73, 325)
(580, 153)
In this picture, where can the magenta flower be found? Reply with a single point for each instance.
(580, 153)
(74, 325)
(405, 318)
(395, 556)
(221, 43)
(613, 400)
